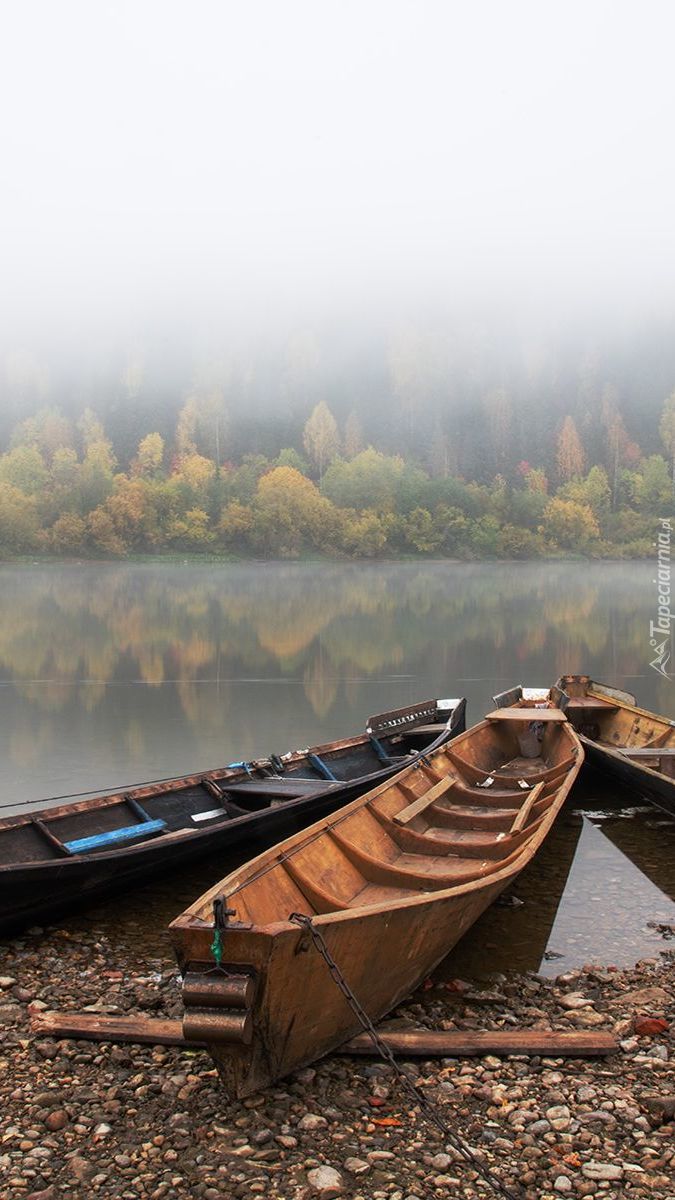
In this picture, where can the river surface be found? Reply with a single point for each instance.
(116, 674)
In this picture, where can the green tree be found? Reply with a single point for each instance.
(421, 532)
(651, 486)
(25, 469)
(594, 491)
(363, 534)
(370, 480)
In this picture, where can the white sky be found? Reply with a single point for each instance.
(166, 156)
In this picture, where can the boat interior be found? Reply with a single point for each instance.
(451, 819)
(240, 790)
(612, 720)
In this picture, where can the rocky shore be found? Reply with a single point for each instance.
(79, 1119)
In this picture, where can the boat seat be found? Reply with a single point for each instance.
(290, 787)
(101, 841)
(646, 751)
(591, 704)
(412, 870)
(473, 816)
(432, 730)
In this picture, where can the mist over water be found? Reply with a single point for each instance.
(233, 179)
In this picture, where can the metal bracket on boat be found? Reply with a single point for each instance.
(218, 1007)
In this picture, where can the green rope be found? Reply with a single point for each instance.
(216, 946)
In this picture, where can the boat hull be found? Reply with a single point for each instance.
(603, 715)
(391, 885)
(383, 955)
(650, 785)
(42, 891)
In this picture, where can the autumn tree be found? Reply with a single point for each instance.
(667, 431)
(616, 438)
(353, 443)
(499, 414)
(18, 519)
(321, 438)
(149, 457)
(48, 430)
(570, 525)
(290, 513)
(569, 454)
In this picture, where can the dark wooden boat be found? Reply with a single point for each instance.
(622, 740)
(56, 858)
(391, 883)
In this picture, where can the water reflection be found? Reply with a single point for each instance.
(596, 892)
(583, 899)
(112, 673)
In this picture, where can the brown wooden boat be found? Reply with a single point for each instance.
(390, 883)
(633, 745)
(54, 859)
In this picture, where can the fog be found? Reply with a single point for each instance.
(247, 168)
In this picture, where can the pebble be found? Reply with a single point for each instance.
(127, 1122)
(558, 1116)
(312, 1121)
(326, 1181)
(574, 1000)
(602, 1171)
(56, 1120)
(356, 1166)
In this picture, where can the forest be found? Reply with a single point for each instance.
(402, 454)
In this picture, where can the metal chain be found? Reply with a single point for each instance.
(429, 1109)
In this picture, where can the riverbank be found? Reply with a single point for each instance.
(143, 1123)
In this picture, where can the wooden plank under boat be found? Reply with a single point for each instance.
(624, 741)
(53, 859)
(391, 883)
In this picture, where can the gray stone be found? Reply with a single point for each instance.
(441, 1162)
(563, 1184)
(602, 1171)
(325, 1180)
(558, 1116)
(356, 1166)
(575, 1000)
(312, 1121)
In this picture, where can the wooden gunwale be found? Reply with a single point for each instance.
(217, 776)
(191, 919)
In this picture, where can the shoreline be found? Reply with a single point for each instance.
(143, 1122)
(225, 559)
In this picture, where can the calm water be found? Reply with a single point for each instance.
(115, 674)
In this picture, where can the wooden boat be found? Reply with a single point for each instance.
(627, 742)
(391, 883)
(55, 858)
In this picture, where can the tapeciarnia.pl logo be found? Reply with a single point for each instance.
(660, 631)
